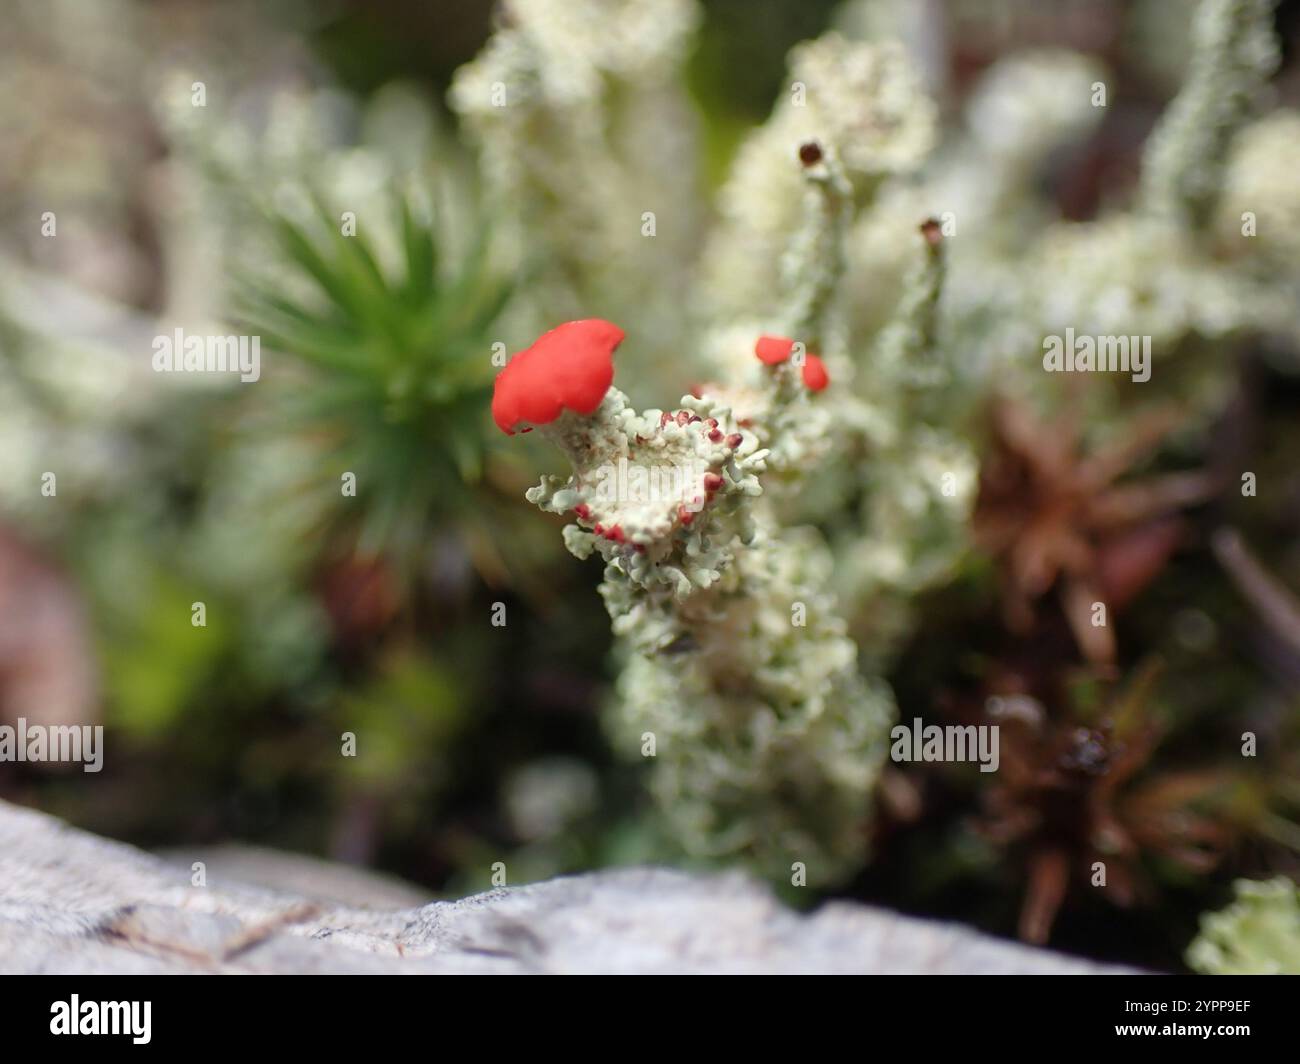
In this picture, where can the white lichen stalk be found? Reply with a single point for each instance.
(799, 192)
(866, 102)
(586, 146)
(1234, 52)
(1020, 274)
(737, 674)
(1150, 271)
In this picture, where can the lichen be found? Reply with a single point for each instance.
(765, 738)
(1258, 934)
(917, 282)
(1234, 52)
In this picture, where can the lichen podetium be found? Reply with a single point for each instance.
(738, 671)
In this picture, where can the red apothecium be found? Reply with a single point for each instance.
(773, 350)
(569, 368)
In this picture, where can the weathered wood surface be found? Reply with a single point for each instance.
(72, 902)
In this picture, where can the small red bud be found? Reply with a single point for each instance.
(735, 440)
(773, 350)
(815, 377)
(712, 482)
(810, 153)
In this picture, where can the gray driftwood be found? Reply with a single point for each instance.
(72, 902)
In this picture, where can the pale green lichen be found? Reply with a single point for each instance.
(1234, 52)
(1259, 211)
(1029, 104)
(1257, 222)
(737, 667)
(1019, 274)
(881, 435)
(1132, 274)
(585, 139)
(919, 488)
(907, 348)
(669, 500)
(861, 101)
(982, 185)
(768, 734)
(814, 265)
(767, 740)
(767, 737)
(1258, 934)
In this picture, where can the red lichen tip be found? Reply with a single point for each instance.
(773, 350)
(810, 153)
(569, 368)
(815, 377)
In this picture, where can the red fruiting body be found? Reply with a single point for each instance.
(712, 482)
(735, 440)
(583, 511)
(569, 368)
(615, 533)
(716, 435)
(664, 418)
(773, 350)
(683, 417)
(684, 515)
(810, 153)
(815, 376)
